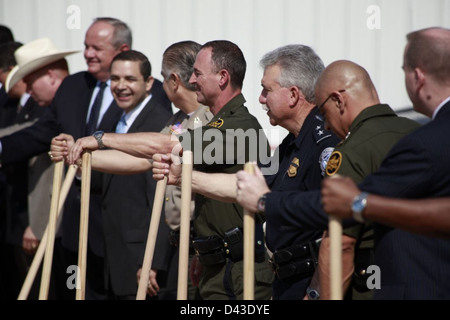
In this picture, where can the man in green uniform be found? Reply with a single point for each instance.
(219, 72)
(369, 129)
(352, 110)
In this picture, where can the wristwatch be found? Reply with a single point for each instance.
(358, 206)
(98, 136)
(313, 294)
(261, 205)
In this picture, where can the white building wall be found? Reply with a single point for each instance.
(369, 32)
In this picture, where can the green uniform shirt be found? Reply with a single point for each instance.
(220, 147)
(371, 135)
(230, 139)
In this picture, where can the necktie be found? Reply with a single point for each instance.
(121, 125)
(95, 110)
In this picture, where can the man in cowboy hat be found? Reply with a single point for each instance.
(36, 68)
(42, 67)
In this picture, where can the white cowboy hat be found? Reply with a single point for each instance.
(33, 56)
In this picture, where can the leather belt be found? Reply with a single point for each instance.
(300, 260)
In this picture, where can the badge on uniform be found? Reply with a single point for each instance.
(216, 124)
(324, 157)
(176, 128)
(334, 163)
(292, 171)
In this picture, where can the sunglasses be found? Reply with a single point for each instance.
(323, 103)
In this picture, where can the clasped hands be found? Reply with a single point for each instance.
(64, 148)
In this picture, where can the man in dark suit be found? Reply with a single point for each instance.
(128, 199)
(70, 112)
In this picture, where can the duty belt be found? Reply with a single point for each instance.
(214, 250)
(297, 260)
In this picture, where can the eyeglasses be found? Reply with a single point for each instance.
(323, 103)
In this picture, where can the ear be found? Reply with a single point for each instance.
(339, 101)
(55, 76)
(174, 81)
(294, 96)
(52, 75)
(224, 77)
(124, 47)
(419, 78)
(149, 83)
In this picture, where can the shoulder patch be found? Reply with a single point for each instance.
(320, 133)
(323, 159)
(216, 124)
(334, 163)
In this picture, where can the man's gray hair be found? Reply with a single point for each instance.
(179, 58)
(122, 32)
(300, 66)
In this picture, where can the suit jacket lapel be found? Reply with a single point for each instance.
(141, 118)
(110, 118)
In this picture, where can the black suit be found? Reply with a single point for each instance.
(127, 205)
(414, 266)
(67, 114)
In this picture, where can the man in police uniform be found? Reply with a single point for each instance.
(371, 134)
(368, 129)
(289, 98)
